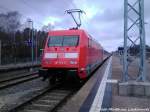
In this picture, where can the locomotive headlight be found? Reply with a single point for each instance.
(50, 55)
(82, 69)
(71, 55)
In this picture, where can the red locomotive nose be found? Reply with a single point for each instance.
(71, 50)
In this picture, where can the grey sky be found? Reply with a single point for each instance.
(103, 19)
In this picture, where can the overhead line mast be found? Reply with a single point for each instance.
(134, 21)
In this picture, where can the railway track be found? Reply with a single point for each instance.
(17, 80)
(47, 101)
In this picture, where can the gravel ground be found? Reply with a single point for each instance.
(16, 93)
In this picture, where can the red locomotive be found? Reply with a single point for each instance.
(70, 53)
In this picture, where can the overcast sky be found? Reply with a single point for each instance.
(103, 18)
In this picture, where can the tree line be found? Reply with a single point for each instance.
(16, 42)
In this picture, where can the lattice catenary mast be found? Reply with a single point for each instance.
(134, 30)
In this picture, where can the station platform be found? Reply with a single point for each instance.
(90, 97)
(128, 103)
(10, 67)
(100, 93)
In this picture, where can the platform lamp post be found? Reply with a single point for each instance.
(32, 43)
(36, 46)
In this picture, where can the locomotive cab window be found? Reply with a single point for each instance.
(63, 41)
(70, 40)
(55, 41)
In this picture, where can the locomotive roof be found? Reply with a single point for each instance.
(78, 31)
(71, 32)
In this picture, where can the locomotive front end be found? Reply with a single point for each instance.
(61, 57)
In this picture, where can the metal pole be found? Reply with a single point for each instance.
(35, 40)
(32, 44)
(143, 65)
(125, 41)
(15, 58)
(0, 52)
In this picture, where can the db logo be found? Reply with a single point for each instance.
(60, 55)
